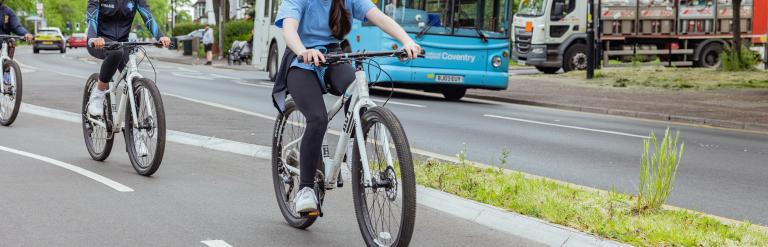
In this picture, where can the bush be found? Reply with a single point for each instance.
(186, 28)
(658, 171)
(731, 62)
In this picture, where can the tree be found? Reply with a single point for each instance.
(183, 17)
(736, 28)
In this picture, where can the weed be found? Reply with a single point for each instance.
(658, 169)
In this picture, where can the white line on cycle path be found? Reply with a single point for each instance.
(76, 169)
(565, 126)
(215, 243)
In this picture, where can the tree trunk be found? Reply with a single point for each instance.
(736, 28)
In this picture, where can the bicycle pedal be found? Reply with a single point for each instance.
(313, 214)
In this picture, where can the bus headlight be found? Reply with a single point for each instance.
(496, 61)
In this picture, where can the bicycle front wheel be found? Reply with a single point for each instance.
(145, 141)
(10, 99)
(385, 209)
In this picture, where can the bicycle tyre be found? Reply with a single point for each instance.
(146, 167)
(294, 220)
(17, 96)
(407, 179)
(97, 155)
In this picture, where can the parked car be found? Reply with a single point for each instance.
(77, 40)
(49, 38)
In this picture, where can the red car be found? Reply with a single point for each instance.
(77, 40)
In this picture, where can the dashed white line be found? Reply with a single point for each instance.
(565, 126)
(217, 105)
(215, 243)
(71, 75)
(399, 103)
(89, 174)
(192, 76)
(251, 84)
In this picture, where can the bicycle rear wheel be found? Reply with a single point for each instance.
(145, 143)
(289, 128)
(98, 139)
(386, 210)
(10, 99)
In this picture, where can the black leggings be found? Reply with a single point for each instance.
(113, 60)
(304, 87)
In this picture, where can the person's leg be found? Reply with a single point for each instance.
(209, 53)
(304, 87)
(112, 61)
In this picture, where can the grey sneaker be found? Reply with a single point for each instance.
(306, 201)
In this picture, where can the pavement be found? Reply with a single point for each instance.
(722, 169)
(728, 108)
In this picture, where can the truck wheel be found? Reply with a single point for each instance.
(710, 56)
(575, 58)
(547, 70)
(454, 93)
(272, 66)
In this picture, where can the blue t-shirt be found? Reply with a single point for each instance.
(313, 20)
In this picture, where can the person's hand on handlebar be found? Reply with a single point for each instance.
(165, 41)
(29, 38)
(413, 50)
(312, 56)
(97, 43)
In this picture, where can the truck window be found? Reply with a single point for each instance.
(568, 7)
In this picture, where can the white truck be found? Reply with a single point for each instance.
(551, 34)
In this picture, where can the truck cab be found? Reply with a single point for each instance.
(550, 34)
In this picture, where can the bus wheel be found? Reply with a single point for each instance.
(575, 58)
(272, 62)
(454, 93)
(547, 70)
(710, 56)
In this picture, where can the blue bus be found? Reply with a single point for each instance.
(466, 43)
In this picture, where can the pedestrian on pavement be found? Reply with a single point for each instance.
(10, 24)
(208, 44)
(312, 28)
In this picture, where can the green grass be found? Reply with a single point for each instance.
(610, 215)
(673, 78)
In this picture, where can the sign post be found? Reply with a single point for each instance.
(590, 41)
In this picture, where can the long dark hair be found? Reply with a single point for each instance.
(338, 20)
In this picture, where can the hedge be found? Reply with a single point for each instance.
(233, 30)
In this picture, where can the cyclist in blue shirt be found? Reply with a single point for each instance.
(310, 28)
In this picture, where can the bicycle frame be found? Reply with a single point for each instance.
(358, 95)
(124, 85)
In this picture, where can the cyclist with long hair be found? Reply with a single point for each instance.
(312, 28)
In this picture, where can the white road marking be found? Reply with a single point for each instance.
(399, 103)
(187, 70)
(71, 75)
(224, 77)
(217, 105)
(251, 84)
(215, 243)
(565, 126)
(267, 84)
(192, 76)
(98, 178)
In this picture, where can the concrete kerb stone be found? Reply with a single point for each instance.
(686, 119)
(756, 126)
(724, 123)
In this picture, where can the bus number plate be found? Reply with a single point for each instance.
(449, 78)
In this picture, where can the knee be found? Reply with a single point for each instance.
(115, 55)
(317, 122)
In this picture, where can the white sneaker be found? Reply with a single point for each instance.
(7, 81)
(306, 201)
(96, 103)
(138, 140)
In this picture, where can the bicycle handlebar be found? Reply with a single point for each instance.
(113, 45)
(4, 36)
(332, 58)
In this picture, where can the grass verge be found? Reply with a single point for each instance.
(609, 215)
(674, 78)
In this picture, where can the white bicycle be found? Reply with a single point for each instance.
(139, 115)
(383, 182)
(11, 85)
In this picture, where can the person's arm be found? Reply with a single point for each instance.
(16, 26)
(152, 26)
(293, 41)
(92, 20)
(389, 26)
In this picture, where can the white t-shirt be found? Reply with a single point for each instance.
(208, 36)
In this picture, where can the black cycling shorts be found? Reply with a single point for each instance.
(208, 47)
